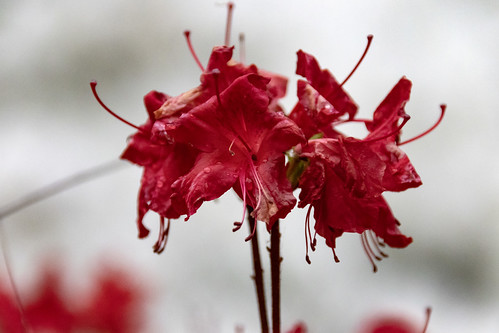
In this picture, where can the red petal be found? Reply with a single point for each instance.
(325, 83)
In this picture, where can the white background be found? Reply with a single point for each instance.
(51, 127)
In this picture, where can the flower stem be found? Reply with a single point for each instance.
(258, 277)
(275, 272)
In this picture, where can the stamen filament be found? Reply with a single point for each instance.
(232, 153)
(230, 7)
(442, 112)
(242, 48)
(238, 225)
(406, 119)
(92, 85)
(160, 244)
(366, 247)
(187, 35)
(258, 184)
(371, 252)
(428, 314)
(369, 40)
(216, 73)
(376, 242)
(307, 234)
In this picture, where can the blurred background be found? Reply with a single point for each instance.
(51, 127)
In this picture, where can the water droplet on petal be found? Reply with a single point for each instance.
(207, 170)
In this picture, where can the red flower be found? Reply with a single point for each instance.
(298, 328)
(390, 325)
(241, 144)
(164, 160)
(114, 305)
(325, 84)
(345, 176)
(163, 163)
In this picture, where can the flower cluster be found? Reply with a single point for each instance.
(230, 132)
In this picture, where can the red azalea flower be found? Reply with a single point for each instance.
(394, 324)
(44, 311)
(164, 161)
(241, 144)
(390, 325)
(115, 305)
(346, 176)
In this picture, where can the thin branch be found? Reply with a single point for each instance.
(58, 187)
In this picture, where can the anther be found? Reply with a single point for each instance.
(442, 112)
(252, 233)
(237, 226)
(369, 40)
(93, 84)
(187, 35)
(230, 8)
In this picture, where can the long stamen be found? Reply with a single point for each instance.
(369, 247)
(307, 234)
(366, 250)
(376, 242)
(93, 84)
(369, 40)
(160, 244)
(428, 314)
(230, 7)
(216, 73)
(258, 184)
(252, 233)
(232, 153)
(404, 121)
(336, 259)
(187, 35)
(237, 225)
(442, 112)
(242, 48)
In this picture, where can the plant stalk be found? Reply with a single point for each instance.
(275, 272)
(258, 274)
